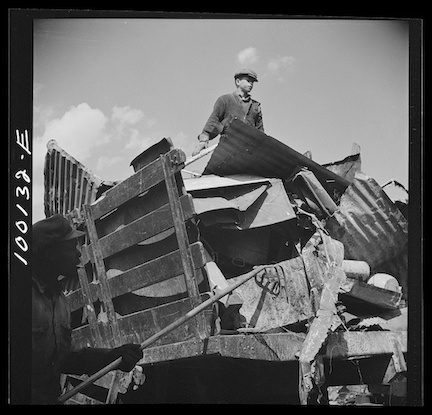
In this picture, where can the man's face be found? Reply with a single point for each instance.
(68, 258)
(245, 83)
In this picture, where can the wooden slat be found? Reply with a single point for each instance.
(114, 337)
(135, 208)
(143, 228)
(87, 300)
(143, 275)
(140, 182)
(191, 279)
(155, 271)
(139, 326)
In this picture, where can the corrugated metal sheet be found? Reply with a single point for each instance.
(372, 229)
(246, 150)
(68, 183)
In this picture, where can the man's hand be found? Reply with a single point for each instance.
(203, 139)
(200, 147)
(130, 354)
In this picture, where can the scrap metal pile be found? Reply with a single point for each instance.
(336, 243)
(334, 246)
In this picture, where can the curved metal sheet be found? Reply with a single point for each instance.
(246, 150)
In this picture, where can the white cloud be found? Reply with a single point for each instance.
(127, 115)
(78, 131)
(280, 65)
(137, 143)
(81, 130)
(248, 56)
(105, 161)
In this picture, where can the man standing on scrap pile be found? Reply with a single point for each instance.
(238, 104)
(55, 253)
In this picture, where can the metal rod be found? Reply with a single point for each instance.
(192, 313)
(200, 155)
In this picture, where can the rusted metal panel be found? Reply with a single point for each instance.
(266, 309)
(246, 150)
(372, 228)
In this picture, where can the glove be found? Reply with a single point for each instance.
(130, 353)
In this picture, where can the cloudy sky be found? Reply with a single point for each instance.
(106, 89)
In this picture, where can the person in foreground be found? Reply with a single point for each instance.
(55, 253)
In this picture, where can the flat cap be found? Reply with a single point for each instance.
(248, 72)
(54, 229)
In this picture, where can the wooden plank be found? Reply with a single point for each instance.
(87, 301)
(143, 228)
(114, 338)
(191, 279)
(140, 182)
(157, 270)
(135, 208)
(143, 275)
(138, 327)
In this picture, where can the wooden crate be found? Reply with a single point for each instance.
(141, 235)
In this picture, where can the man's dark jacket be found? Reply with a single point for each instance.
(51, 345)
(230, 106)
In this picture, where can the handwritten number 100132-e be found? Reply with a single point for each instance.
(22, 191)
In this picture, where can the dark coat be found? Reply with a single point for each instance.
(230, 106)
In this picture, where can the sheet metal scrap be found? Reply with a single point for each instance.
(246, 150)
(372, 229)
(68, 184)
(326, 319)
